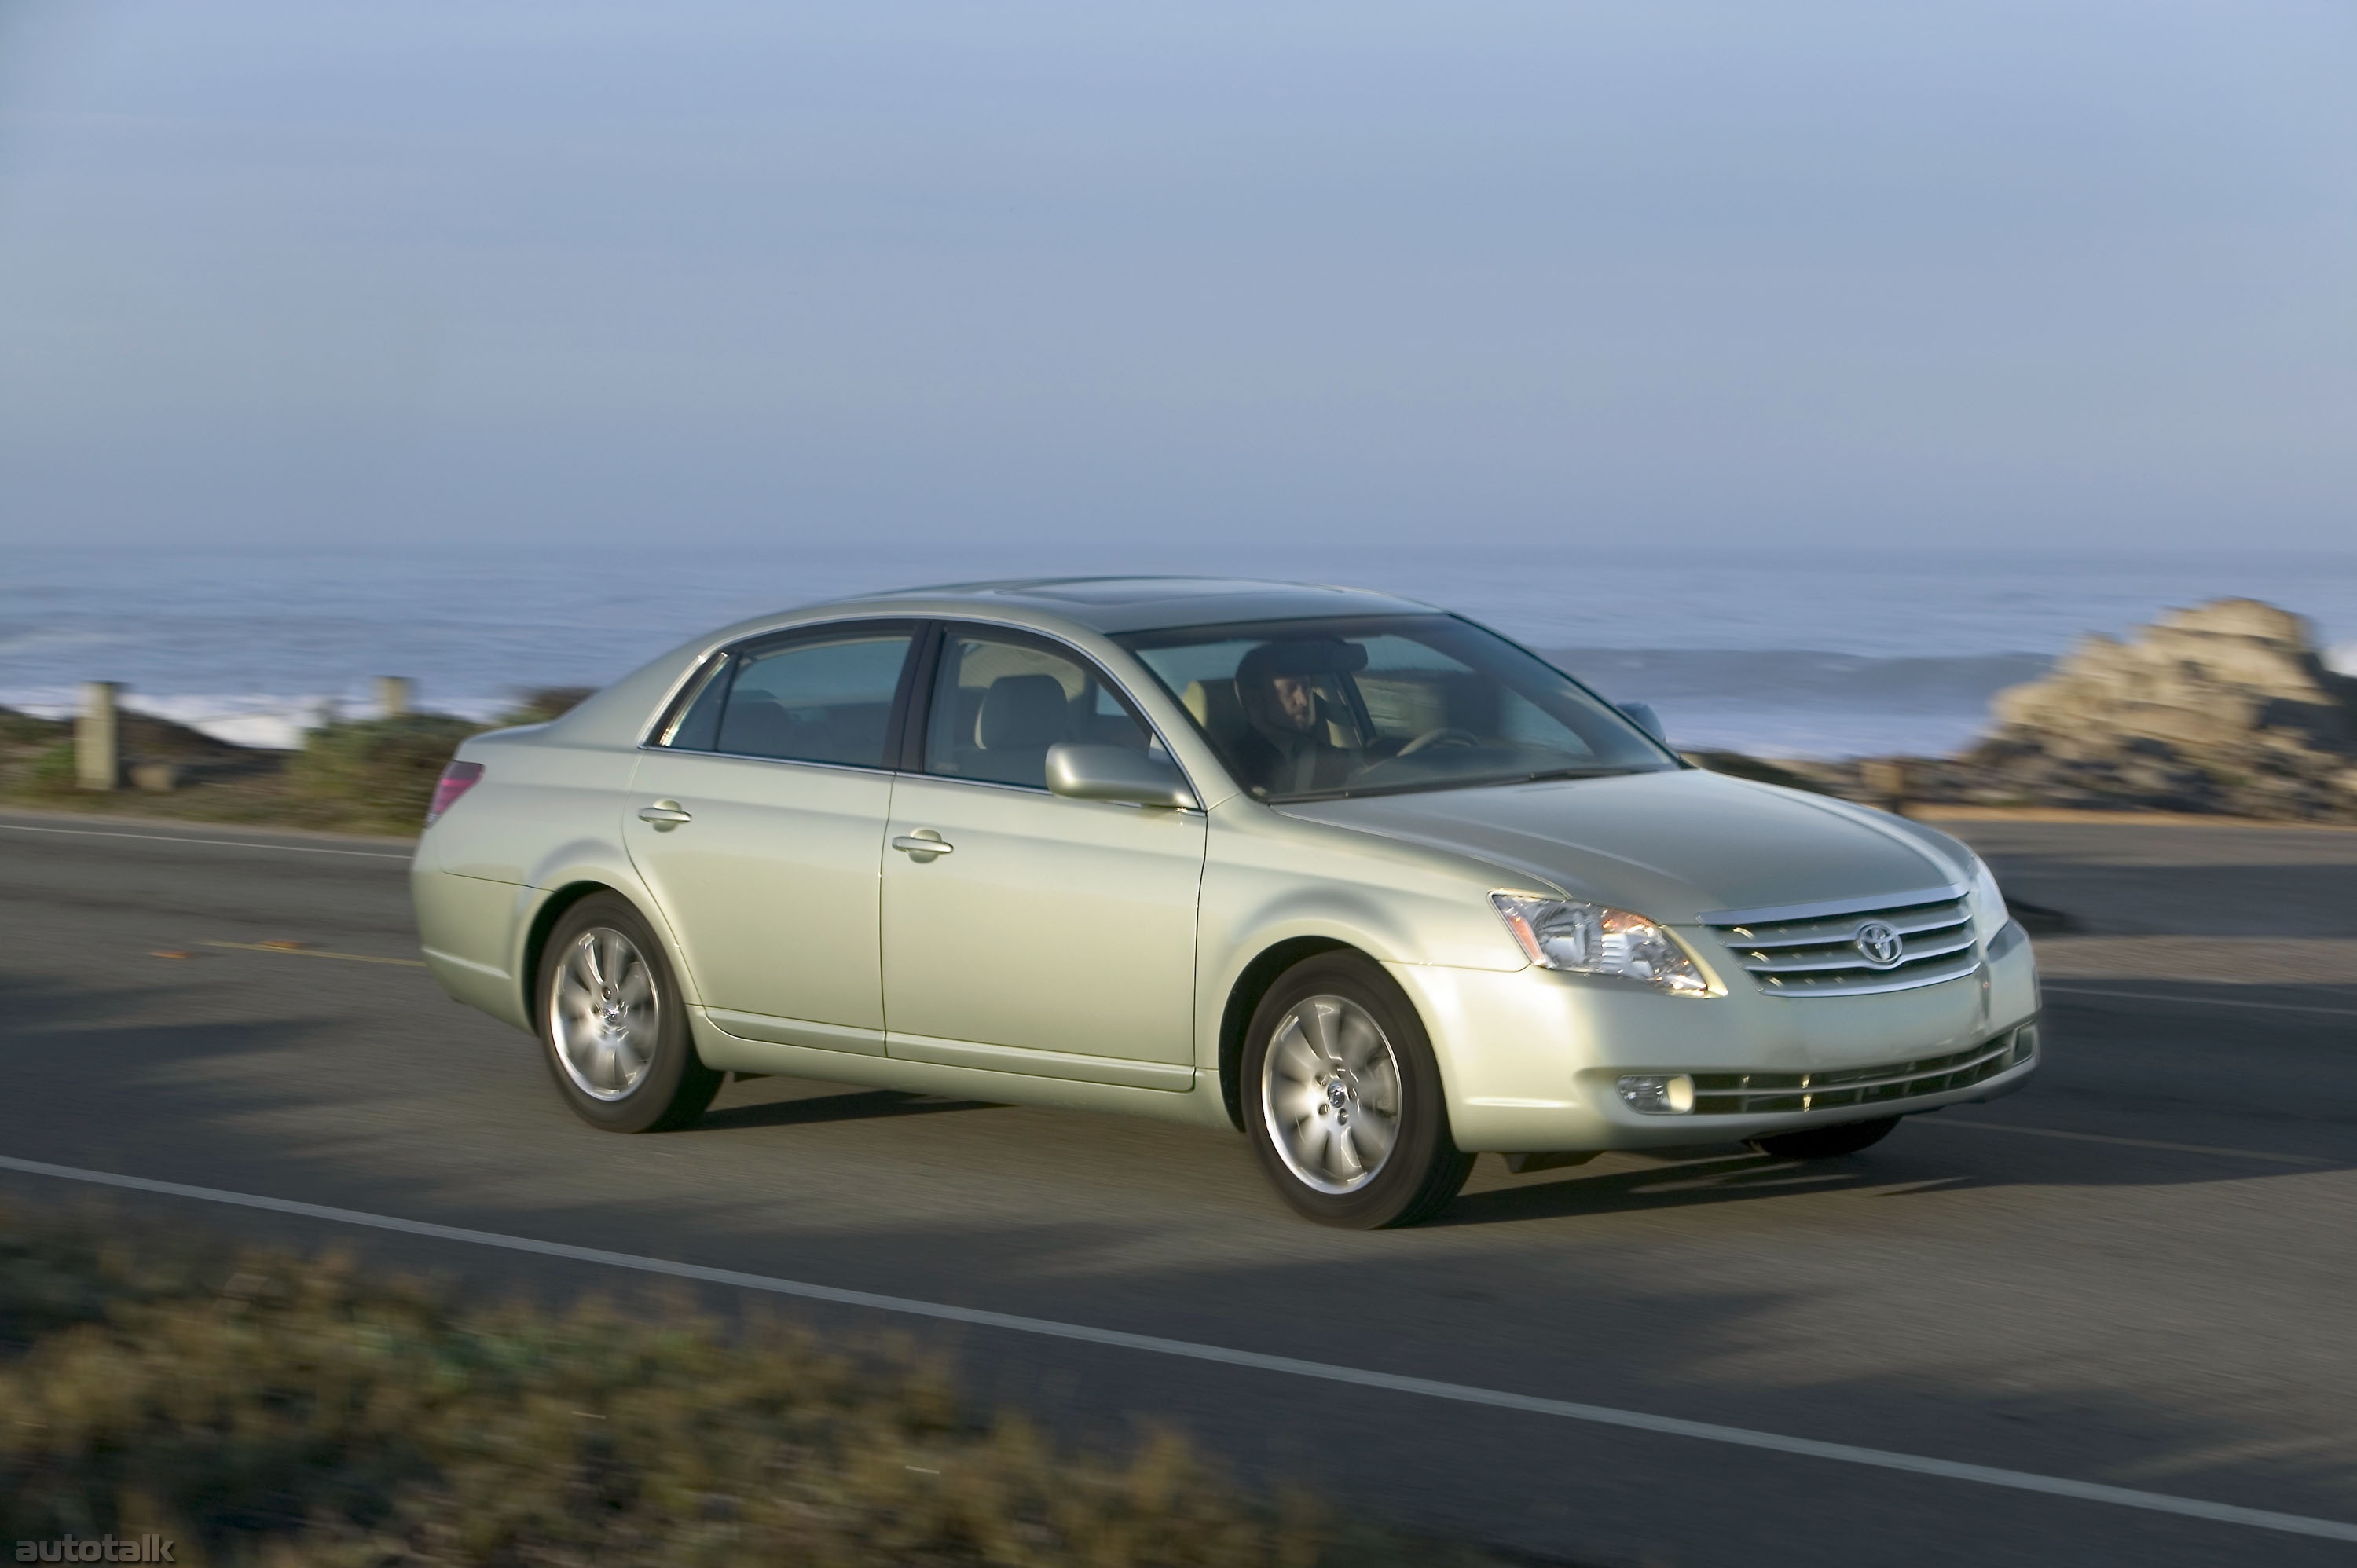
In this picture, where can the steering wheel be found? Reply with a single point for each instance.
(1447, 734)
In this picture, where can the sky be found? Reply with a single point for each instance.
(1659, 280)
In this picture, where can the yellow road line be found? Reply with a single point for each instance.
(318, 952)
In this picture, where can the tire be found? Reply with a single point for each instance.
(1342, 1100)
(612, 1026)
(1826, 1143)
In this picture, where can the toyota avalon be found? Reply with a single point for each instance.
(1359, 878)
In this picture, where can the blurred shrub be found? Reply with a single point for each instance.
(24, 729)
(385, 766)
(273, 1408)
(547, 702)
(51, 771)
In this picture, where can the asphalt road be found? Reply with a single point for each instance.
(2138, 1272)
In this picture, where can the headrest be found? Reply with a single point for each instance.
(1021, 710)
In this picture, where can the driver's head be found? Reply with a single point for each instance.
(1297, 700)
(1276, 684)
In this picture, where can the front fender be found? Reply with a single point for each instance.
(1269, 881)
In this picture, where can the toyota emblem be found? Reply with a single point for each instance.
(1879, 944)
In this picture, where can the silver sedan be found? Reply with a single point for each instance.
(1362, 879)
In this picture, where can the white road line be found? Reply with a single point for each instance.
(218, 843)
(1980, 1126)
(2205, 1001)
(1460, 1394)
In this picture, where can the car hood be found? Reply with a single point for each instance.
(1671, 846)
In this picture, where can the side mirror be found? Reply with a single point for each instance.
(1642, 715)
(1116, 773)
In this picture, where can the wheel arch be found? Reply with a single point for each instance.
(1243, 999)
(543, 920)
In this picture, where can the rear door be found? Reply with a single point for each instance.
(1043, 934)
(757, 819)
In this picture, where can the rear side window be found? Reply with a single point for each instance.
(815, 699)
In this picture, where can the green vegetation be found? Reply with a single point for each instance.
(50, 770)
(272, 1409)
(548, 703)
(361, 776)
(377, 770)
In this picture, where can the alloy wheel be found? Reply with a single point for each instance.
(1331, 1089)
(602, 1014)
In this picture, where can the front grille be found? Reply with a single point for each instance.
(1762, 1093)
(1826, 949)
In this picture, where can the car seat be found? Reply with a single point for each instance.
(1021, 717)
(1214, 705)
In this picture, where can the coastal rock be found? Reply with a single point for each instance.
(2226, 708)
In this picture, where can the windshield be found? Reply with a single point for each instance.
(1318, 709)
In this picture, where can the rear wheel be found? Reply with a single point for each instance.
(1342, 1099)
(613, 1026)
(1826, 1143)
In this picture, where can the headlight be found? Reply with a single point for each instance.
(1592, 939)
(1989, 905)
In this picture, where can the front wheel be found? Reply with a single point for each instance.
(1342, 1099)
(1826, 1143)
(613, 1026)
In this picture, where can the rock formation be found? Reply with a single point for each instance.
(2226, 708)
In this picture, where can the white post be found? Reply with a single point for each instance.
(393, 694)
(97, 753)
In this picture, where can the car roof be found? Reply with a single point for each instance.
(1144, 604)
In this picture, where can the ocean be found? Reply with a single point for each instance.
(1796, 655)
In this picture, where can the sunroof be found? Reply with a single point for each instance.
(1135, 590)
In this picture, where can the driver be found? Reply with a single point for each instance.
(1277, 686)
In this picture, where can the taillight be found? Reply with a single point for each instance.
(455, 781)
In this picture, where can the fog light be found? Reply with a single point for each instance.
(1657, 1094)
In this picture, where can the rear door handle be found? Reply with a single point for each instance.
(665, 815)
(924, 841)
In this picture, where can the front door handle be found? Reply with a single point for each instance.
(924, 844)
(664, 814)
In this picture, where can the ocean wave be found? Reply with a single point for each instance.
(1794, 678)
(50, 640)
(1822, 734)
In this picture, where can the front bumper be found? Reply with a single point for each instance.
(1530, 1058)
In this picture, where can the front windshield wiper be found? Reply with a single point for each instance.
(1599, 772)
(1418, 786)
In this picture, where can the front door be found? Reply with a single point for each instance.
(1046, 934)
(758, 820)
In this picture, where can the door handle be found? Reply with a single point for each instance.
(664, 814)
(924, 843)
